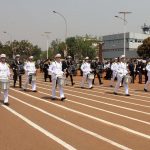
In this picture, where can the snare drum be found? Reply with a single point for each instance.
(4, 84)
(90, 76)
(60, 80)
(127, 79)
(32, 77)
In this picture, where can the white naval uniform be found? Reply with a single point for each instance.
(114, 67)
(4, 74)
(56, 69)
(86, 69)
(29, 68)
(121, 72)
(148, 74)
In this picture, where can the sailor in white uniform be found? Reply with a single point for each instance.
(57, 77)
(148, 74)
(30, 70)
(114, 71)
(121, 72)
(86, 69)
(4, 75)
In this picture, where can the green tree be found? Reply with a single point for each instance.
(144, 49)
(24, 48)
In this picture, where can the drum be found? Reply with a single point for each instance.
(4, 84)
(49, 73)
(32, 77)
(127, 79)
(60, 80)
(90, 76)
(20, 69)
(71, 69)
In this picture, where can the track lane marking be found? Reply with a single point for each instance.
(73, 125)
(90, 116)
(42, 130)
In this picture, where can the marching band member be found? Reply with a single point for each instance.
(30, 71)
(148, 74)
(4, 77)
(70, 69)
(121, 73)
(47, 63)
(86, 69)
(57, 76)
(18, 70)
(98, 67)
(114, 67)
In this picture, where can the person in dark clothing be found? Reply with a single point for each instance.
(45, 70)
(139, 69)
(108, 70)
(70, 68)
(97, 67)
(18, 70)
(132, 70)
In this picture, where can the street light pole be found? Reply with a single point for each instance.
(65, 20)
(124, 30)
(47, 42)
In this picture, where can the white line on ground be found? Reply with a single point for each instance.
(74, 125)
(89, 116)
(43, 131)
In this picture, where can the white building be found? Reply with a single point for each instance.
(114, 44)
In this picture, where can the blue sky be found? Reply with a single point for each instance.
(29, 19)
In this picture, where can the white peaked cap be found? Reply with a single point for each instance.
(86, 57)
(17, 55)
(69, 57)
(31, 57)
(122, 56)
(57, 55)
(3, 55)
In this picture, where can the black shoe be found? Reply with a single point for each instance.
(53, 98)
(34, 91)
(111, 85)
(63, 98)
(24, 90)
(7, 104)
(127, 94)
(115, 93)
(145, 90)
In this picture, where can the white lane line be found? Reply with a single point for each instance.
(73, 125)
(89, 116)
(112, 99)
(101, 86)
(112, 89)
(110, 112)
(45, 132)
(88, 99)
(100, 91)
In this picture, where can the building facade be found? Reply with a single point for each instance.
(113, 45)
